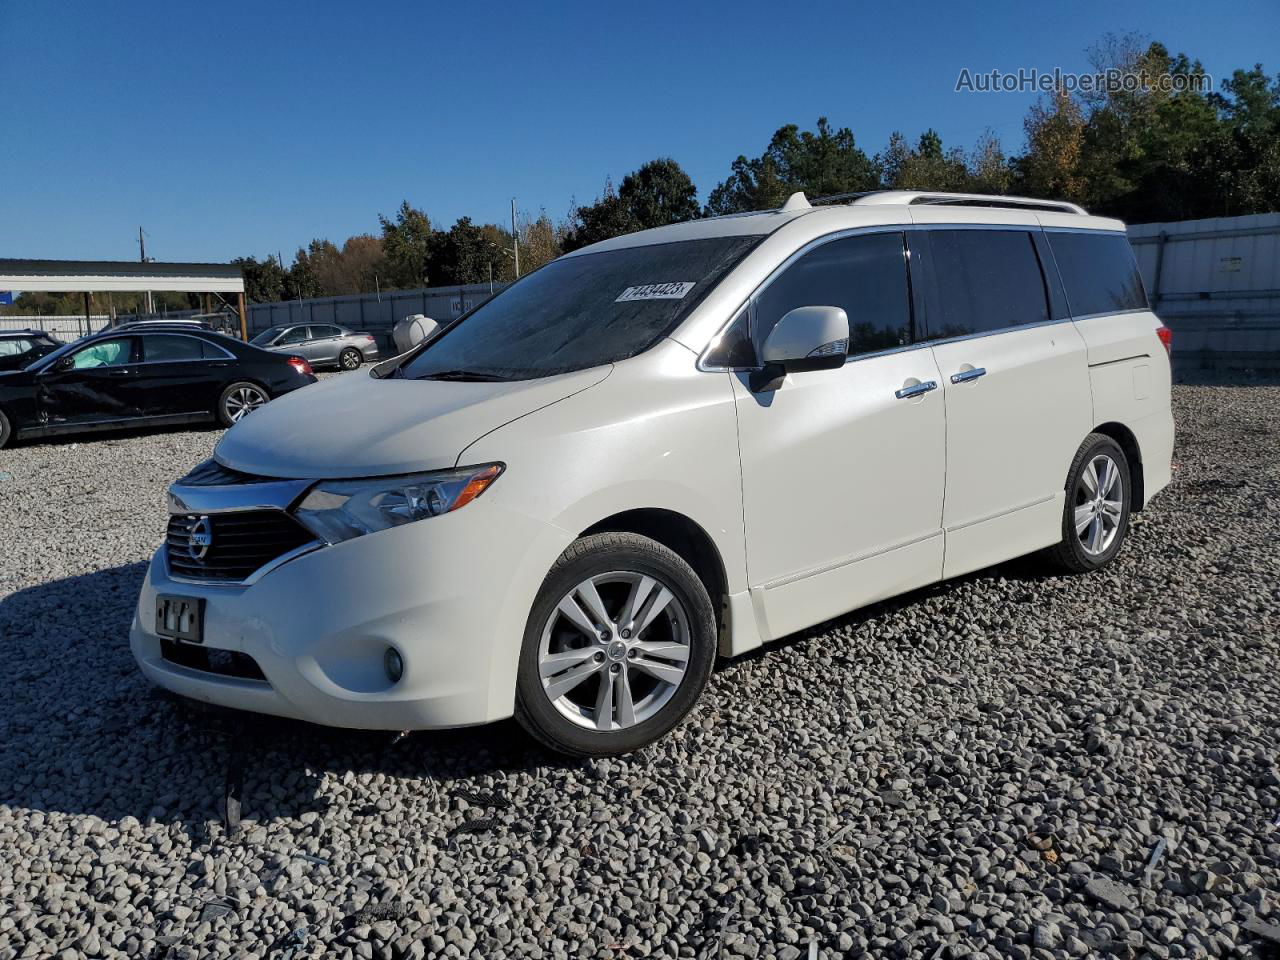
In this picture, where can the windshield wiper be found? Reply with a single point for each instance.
(463, 375)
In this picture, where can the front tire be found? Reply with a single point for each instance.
(350, 359)
(239, 400)
(6, 430)
(1095, 517)
(618, 648)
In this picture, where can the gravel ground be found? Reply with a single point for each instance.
(983, 768)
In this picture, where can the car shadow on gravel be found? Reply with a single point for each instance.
(1028, 569)
(86, 734)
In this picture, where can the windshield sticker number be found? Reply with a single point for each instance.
(655, 291)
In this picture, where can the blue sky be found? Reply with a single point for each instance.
(245, 128)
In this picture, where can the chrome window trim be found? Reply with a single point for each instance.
(905, 228)
(1060, 229)
(1112, 313)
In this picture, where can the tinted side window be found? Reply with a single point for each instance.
(865, 275)
(15, 347)
(985, 280)
(161, 349)
(211, 351)
(1099, 272)
(325, 331)
(296, 335)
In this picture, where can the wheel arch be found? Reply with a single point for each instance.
(1128, 442)
(686, 538)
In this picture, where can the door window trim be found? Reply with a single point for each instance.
(915, 292)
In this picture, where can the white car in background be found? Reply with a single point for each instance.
(681, 442)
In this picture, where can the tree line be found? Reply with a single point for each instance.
(1145, 152)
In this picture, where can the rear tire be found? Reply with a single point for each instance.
(618, 647)
(239, 400)
(6, 430)
(350, 359)
(1095, 517)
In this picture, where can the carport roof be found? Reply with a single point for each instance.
(93, 276)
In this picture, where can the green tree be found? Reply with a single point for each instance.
(820, 163)
(607, 217)
(407, 244)
(659, 193)
(463, 254)
(926, 167)
(264, 281)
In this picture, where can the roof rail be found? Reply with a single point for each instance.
(911, 197)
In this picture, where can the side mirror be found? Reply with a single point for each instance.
(806, 338)
(65, 363)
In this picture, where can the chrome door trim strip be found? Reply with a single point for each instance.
(999, 513)
(837, 564)
(1107, 363)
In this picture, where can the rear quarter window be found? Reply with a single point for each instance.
(1099, 272)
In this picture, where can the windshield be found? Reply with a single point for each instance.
(580, 312)
(267, 335)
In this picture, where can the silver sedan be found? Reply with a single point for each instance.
(323, 344)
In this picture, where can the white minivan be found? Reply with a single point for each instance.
(681, 442)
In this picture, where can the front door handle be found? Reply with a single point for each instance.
(973, 373)
(916, 389)
(119, 372)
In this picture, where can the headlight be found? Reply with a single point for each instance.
(337, 510)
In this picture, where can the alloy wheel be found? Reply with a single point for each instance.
(243, 401)
(614, 650)
(1099, 504)
(350, 360)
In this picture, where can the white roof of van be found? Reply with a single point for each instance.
(870, 209)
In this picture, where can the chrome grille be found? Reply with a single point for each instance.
(230, 546)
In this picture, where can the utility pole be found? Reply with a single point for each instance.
(515, 238)
(142, 252)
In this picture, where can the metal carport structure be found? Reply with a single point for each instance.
(124, 276)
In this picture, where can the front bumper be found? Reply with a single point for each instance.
(451, 594)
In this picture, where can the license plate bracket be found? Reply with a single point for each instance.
(180, 618)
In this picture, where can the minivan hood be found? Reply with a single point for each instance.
(353, 425)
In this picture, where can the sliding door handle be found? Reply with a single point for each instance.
(973, 373)
(916, 389)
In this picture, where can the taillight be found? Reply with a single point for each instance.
(1166, 337)
(301, 365)
(369, 337)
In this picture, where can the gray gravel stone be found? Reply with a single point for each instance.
(981, 768)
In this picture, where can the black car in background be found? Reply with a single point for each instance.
(152, 376)
(21, 348)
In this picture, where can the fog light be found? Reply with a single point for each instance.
(393, 664)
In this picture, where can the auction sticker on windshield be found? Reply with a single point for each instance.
(655, 291)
